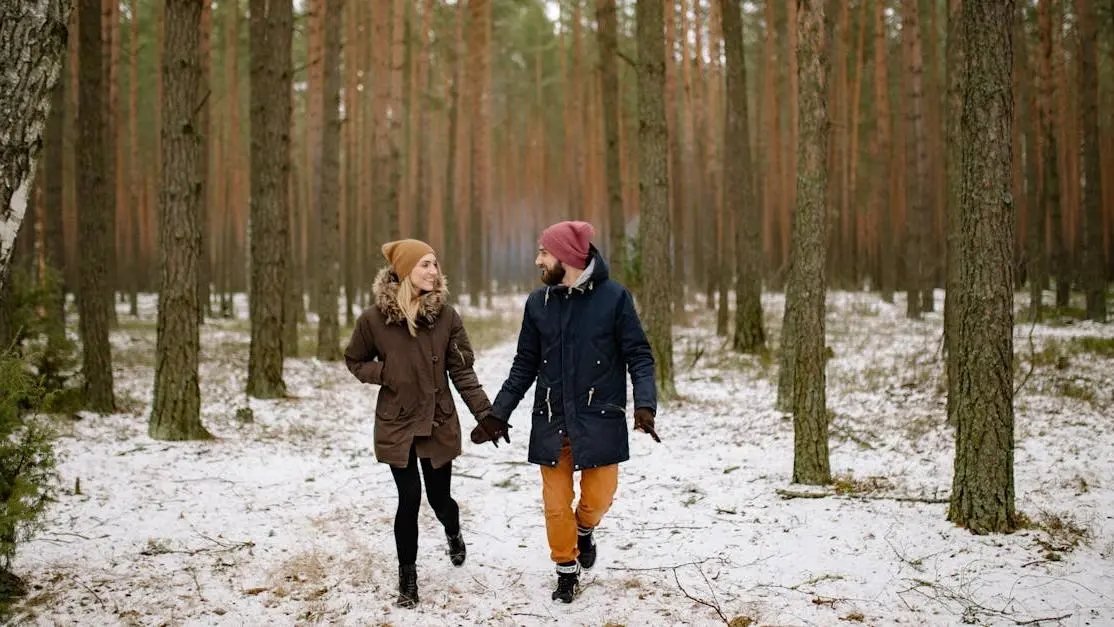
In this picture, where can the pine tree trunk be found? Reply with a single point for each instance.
(983, 487)
(176, 410)
(1094, 281)
(882, 155)
(918, 221)
(205, 269)
(328, 333)
(453, 259)
(609, 48)
(271, 70)
(109, 32)
(953, 293)
(750, 337)
(1049, 21)
(1034, 102)
(480, 167)
(656, 293)
(94, 293)
(807, 269)
(54, 242)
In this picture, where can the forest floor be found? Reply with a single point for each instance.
(287, 519)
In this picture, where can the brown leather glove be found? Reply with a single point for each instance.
(490, 429)
(644, 421)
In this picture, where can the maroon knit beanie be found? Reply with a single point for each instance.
(568, 241)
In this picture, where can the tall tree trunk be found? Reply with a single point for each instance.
(54, 243)
(954, 288)
(983, 487)
(328, 333)
(135, 178)
(94, 294)
(204, 215)
(1094, 280)
(1049, 14)
(453, 257)
(653, 191)
(676, 159)
(176, 409)
(883, 212)
(395, 136)
(607, 35)
(750, 337)
(1038, 209)
(109, 32)
(480, 167)
(805, 297)
(272, 26)
(918, 220)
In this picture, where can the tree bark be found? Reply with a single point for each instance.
(983, 486)
(271, 32)
(805, 297)
(1049, 21)
(953, 292)
(176, 410)
(1094, 263)
(750, 336)
(882, 154)
(653, 191)
(479, 12)
(607, 35)
(94, 293)
(53, 235)
(328, 332)
(918, 221)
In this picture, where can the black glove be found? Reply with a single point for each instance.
(490, 429)
(644, 421)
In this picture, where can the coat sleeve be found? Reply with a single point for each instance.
(637, 353)
(361, 356)
(524, 369)
(459, 361)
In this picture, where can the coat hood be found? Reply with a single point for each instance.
(385, 290)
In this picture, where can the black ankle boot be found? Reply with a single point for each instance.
(587, 546)
(407, 586)
(568, 582)
(457, 550)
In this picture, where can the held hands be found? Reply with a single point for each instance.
(490, 429)
(644, 421)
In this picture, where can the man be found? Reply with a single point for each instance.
(578, 334)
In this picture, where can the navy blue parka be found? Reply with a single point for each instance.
(578, 343)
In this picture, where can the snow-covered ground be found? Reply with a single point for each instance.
(287, 519)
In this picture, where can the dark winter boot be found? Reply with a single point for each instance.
(407, 586)
(587, 545)
(568, 582)
(457, 550)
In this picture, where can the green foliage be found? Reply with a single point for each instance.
(27, 464)
(34, 330)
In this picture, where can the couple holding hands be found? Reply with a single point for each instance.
(580, 333)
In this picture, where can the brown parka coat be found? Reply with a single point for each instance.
(415, 404)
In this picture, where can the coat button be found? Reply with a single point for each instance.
(435, 359)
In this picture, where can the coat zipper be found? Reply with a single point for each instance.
(548, 406)
(459, 352)
(590, 393)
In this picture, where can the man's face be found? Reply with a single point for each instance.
(553, 271)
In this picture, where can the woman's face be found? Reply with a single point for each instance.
(425, 273)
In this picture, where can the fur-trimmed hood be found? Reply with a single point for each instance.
(385, 290)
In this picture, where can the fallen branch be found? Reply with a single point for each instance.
(1035, 621)
(800, 494)
(673, 568)
(715, 606)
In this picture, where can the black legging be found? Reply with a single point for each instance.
(437, 486)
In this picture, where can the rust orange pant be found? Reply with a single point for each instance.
(597, 488)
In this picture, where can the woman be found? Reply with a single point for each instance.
(407, 343)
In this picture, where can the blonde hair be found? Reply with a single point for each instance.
(409, 304)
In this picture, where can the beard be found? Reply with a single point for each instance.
(553, 276)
